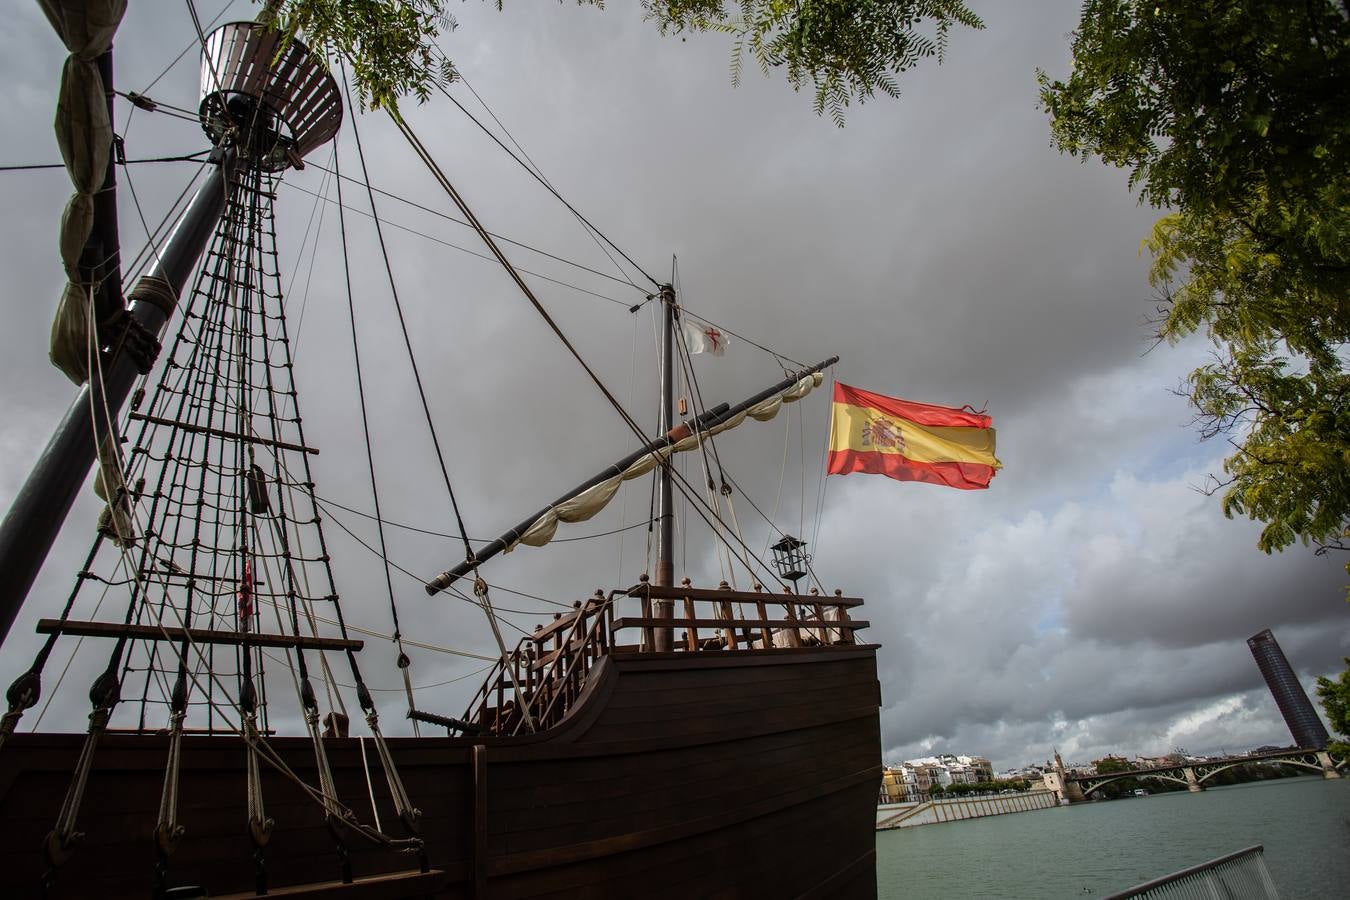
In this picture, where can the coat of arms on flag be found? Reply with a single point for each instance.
(910, 441)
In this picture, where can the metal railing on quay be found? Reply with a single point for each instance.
(1237, 876)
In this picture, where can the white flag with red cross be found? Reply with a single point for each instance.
(703, 337)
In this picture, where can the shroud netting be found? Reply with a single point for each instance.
(226, 533)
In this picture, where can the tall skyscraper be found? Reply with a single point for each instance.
(1299, 713)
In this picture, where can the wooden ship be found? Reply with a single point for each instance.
(657, 740)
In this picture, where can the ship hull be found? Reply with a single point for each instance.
(731, 774)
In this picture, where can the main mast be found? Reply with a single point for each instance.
(665, 514)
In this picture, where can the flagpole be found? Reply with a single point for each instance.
(663, 637)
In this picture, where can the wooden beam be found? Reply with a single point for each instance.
(643, 622)
(480, 823)
(680, 593)
(386, 886)
(564, 621)
(196, 635)
(222, 433)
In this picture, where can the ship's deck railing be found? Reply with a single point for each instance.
(778, 620)
(547, 671)
(1237, 876)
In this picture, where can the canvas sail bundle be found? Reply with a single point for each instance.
(587, 503)
(85, 134)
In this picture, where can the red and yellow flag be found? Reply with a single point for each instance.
(910, 441)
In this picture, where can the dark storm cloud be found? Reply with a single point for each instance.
(1091, 599)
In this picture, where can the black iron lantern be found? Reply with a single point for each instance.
(789, 559)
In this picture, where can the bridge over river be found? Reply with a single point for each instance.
(1075, 788)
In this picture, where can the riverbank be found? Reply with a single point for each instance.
(955, 809)
(1092, 849)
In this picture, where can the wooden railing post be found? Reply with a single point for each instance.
(805, 621)
(762, 610)
(530, 656)
(648, 633)
(501, 698)
(690, 614)
(596, 641)
(820, 617)
(609, 624)
(724, 611)
(794, 633)
(846, 635)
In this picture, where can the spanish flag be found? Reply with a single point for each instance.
(910, 441)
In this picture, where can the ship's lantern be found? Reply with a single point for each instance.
(789, 559)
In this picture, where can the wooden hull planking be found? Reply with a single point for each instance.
(731, 774)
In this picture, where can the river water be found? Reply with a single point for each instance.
(1092, 849)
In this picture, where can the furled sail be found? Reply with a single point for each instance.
(592, 496)
(84, 133)
(590, 501)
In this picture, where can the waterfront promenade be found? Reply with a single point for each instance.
(954, 809)
(1094, 849)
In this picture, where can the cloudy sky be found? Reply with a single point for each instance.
(1093, 599)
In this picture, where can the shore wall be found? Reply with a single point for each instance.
(954, 809)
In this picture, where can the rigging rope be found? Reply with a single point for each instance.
(325, 502)
(824, 476)
(106, 688)
(632, 386)
(480, 587)
(686, 371)
(429, 162)
(491, 661)
(307, 701)
(801, 449)
(480, 590)
(420, 149)
(34, 167)
(503, 238)
(475, 253)
(774, 353)
(192, 43)
(537, 176)
(407, 813)
(365, 423)
(585, 226)
(407, 340)
(320, 208)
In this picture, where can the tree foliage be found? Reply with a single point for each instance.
(390, 44)
(847, 50)
(1335, 696)
(1109, 765)
(1231, 114)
